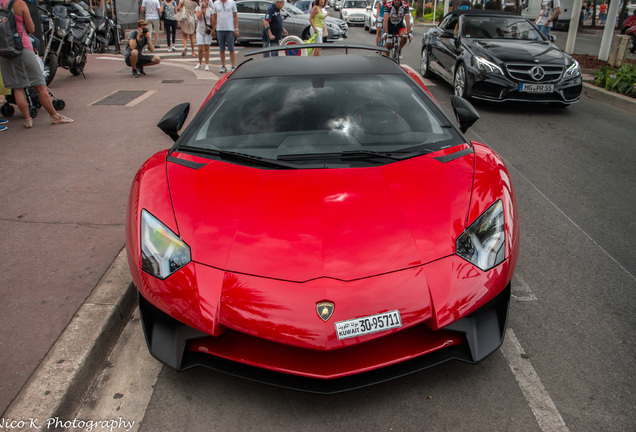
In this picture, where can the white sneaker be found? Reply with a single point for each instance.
(198, 66)
(207, 68)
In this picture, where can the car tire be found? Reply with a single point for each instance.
(460, 82)
(425, 69)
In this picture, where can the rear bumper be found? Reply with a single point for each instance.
(469, 340)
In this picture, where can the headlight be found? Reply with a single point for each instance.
(485, 65)
(61, 32)
(574, 70)
(102, 26)
(162, 252)
(484, 242)
(345, 13)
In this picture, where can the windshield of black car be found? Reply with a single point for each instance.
(485, 27)
(304, 115)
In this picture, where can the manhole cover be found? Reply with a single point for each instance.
(120, 97)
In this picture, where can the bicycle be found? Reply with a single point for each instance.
(394, 40)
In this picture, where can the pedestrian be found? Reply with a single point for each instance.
(152, 11)
(550, 10)
(24, 70)
(170, 22)
(317, 20)
(603, 12)
(225, 24)
(134, 56)
(273, 30)
(204, 33)
(379, 13)
(188, 24)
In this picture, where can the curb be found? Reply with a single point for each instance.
(60, 383)
(616, 99)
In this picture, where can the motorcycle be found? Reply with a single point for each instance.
(106, 32)
(69, 37)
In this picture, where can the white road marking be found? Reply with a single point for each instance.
(542, 406)
(521, 291)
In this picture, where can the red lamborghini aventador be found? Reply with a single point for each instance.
(322, 225)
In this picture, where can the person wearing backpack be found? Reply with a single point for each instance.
(24, 70)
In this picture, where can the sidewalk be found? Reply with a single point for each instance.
(65, 190)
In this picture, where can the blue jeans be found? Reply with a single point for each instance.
(544, 29)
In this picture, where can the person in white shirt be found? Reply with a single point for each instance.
(152, 9)
(225, 23)
(550, 10)
(204, 39)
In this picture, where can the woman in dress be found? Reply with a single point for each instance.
(317, 21)
(188, 24)
(170, 8)
(24, 70)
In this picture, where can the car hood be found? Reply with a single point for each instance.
(520, 51)
(304, 224)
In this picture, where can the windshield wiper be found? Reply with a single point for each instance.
(243, 157)
(352, 154)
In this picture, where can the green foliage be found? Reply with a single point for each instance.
(621, 80)
(428, 12)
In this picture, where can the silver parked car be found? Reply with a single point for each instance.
(353, 11)
(252, 13)
(371, 16)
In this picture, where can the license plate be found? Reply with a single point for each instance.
(536, 88)
(367, 325)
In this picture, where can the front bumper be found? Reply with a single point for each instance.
(499, 88)
(469, 339)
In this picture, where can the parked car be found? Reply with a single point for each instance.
(306, 232)
(499, 56)
(252, 13)
(304, 5)
(337, 5)
(353, 11)
(371, 17)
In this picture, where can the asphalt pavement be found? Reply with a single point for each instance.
(65, 283)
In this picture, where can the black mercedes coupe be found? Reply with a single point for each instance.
(499, 56)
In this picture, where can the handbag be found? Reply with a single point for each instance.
(180, 15)
(208, 28)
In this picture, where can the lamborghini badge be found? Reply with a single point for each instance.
(325, 310)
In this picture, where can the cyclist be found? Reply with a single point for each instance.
(395, 13)
(379, 21)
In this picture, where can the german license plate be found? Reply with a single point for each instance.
(367, 325)
(536, 88)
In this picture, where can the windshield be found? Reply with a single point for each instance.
(272, 117)
(500, 28)
(356, 4)
(292, 10)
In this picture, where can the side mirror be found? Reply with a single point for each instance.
(174, 119)
(465, 112)
(448, 34)
(552, 38)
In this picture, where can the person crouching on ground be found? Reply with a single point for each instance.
(134, 57)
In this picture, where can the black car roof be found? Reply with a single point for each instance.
(324, 65)
(481, 12)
